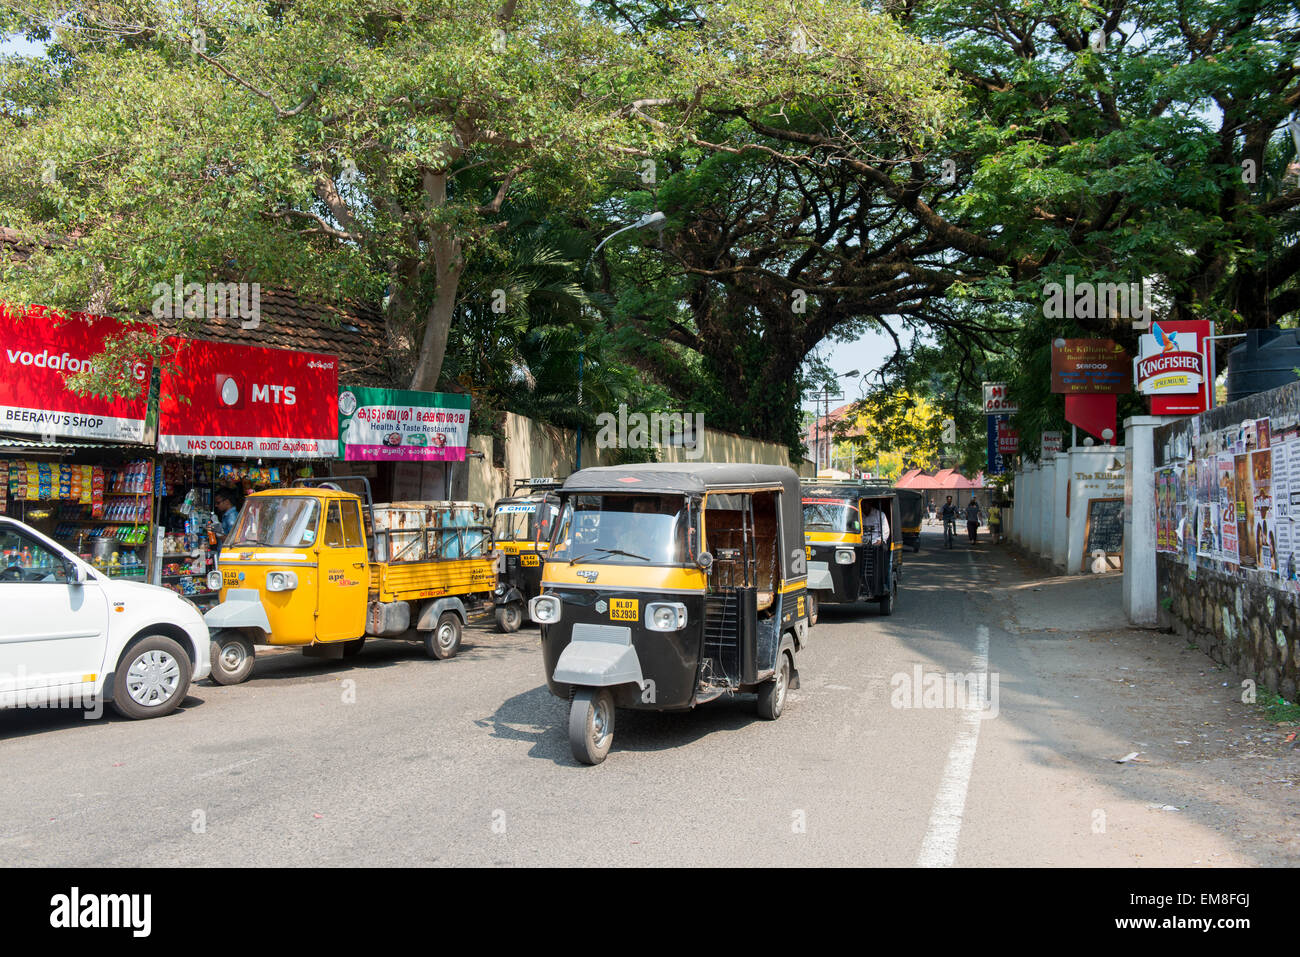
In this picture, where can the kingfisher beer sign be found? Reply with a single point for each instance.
(1175, 367)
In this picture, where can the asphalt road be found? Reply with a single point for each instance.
(396, 759)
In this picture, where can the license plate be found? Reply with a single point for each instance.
(807, 549)
(530, 560)
(229, 579)
(623, 609)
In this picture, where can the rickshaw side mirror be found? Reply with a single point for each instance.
(705, 560)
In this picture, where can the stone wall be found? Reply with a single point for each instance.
(1248, 627)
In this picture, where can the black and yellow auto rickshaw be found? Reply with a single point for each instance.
(521, 532)
(669, 585)
(911, 507)
(848, 561)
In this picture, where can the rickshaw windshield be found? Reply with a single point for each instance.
(826, 515)
(284, 521)
(622, 529)
(514, 522)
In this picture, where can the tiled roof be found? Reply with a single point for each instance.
(353, 332)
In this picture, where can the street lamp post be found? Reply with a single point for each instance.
(654, 220)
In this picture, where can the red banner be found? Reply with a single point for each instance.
(234, 401)
(1008, 439)
(39, 350)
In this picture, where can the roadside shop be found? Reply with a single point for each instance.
(78, 468)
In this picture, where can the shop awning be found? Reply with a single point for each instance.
(63, 445)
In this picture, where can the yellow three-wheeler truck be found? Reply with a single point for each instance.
(321, 568)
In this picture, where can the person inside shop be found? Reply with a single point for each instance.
(227, 511)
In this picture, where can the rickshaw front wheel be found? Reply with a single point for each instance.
(510, 617)
(771, 696)
(591, 724)
(444, 641)
(232, 658)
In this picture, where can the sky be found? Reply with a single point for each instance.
(866, 356)
(14, 44)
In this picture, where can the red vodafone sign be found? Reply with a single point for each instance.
(39, 349)
(234, 401)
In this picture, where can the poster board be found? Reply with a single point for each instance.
(1104, 531)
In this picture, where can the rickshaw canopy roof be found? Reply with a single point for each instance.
(681, 478)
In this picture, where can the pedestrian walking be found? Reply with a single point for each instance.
(972, 519)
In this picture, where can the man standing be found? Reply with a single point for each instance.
(972, 518)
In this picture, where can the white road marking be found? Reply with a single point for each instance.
(939, 847)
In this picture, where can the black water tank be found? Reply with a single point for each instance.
(1266, 360)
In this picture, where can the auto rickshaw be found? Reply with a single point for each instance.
(669, 585)
(844, 564)
(521, 530)
(911, 506)
(321, 568)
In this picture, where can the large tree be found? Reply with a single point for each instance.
(370, 149)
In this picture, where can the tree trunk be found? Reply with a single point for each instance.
(449, 263)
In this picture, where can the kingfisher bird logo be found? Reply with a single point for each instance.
(1168, 341)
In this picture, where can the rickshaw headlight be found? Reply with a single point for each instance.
(214, 581)
(844, 556)
(281, 581)
(665, 616)
(544, 609)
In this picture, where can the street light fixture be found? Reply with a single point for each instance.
(655, 220)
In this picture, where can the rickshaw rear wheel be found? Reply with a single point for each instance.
(232, 658)
(510, 617)
(887, 603)
(771, 696)
(444, 641)
(591, 724)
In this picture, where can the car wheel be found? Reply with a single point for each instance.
(771, 695)
(444, 641)
(510, 617)
(151, 679)
(232, 658)
(591, 724)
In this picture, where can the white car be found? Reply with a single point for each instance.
(70, 634)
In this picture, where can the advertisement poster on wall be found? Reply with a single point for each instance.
(1244, 498)
(401, 425)
(1228, 508)
(1282, 477)
(1261, 468)
(1207, 539)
